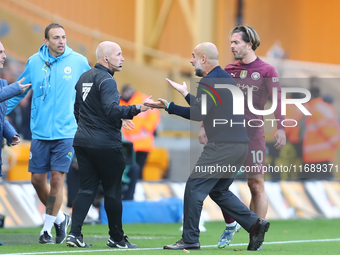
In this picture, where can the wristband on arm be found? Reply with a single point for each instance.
(167, 107)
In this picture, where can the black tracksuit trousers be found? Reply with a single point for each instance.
(105, 165)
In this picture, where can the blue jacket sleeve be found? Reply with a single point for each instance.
(9, 132)
(8, 91)
(12, 103)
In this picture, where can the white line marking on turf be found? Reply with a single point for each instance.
(150, 249)
(138, 237)
(285, 242)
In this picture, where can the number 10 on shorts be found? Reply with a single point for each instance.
(257, 156)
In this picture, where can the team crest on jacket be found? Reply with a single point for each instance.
(67, 70)
(255, 76)
(243, 74)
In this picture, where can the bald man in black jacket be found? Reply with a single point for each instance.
(98, 144)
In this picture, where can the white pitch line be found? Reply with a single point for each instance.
(285, 242)
(150, 249)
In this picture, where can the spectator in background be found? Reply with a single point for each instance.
(6, 92)
(142, 136)
(53, 72)
(131, 173)
(277, 54)
(328, 99)
(20, 117)
(293, 133)
(72, 181)
(25, 107)
(321, 134)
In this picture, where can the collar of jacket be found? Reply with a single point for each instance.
(46, 57)
(99, 66)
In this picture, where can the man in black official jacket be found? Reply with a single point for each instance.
(98, 144)
(222, 156)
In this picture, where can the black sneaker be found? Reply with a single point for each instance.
(124, 244)
(46, 238)
(76, 241)
(61, 230)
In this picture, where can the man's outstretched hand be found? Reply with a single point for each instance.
(16, 140)
(128, 124)
(161, 104)
(145, 107)
(23, 86)
(183, 89)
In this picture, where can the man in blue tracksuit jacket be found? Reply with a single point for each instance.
(53, 72)
(6, 92)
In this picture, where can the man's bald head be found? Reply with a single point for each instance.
(204, 58)
(105, 49)
(109, 54)
(209, 50)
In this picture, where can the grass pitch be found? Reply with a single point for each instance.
(318, 236)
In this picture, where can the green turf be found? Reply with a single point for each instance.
(157, 235)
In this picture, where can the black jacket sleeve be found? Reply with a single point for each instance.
(110, 102)
(76, 105)
(194, 112)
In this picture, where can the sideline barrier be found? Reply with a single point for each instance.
(162, 202)
(168, 210)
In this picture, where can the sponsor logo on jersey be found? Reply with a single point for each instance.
(243, 74)
(67, 77)
(255, 76)
(245, 87)
(233, 74)
(275, 79)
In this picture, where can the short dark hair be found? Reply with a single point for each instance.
(249, 35)
(48, 28)
(126, 87)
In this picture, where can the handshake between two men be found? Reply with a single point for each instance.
(162, 103)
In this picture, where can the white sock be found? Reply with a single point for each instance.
(60, 217)
(49, 220)
(231, 224)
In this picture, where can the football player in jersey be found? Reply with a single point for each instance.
(255, 76)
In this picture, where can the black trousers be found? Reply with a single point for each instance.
(140, 160)
(105, 166)
(129, 188)
(212, 175)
